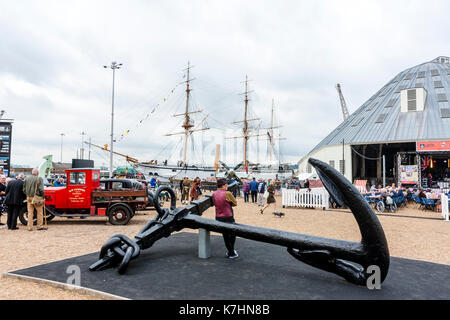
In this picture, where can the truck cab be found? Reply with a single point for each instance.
(78, 192)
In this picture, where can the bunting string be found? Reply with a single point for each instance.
(164, 100)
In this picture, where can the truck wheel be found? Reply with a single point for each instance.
(23, 216)
(119, 214)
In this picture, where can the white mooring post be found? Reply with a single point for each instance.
(444, 205)
(204, 244)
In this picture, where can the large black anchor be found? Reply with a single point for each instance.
(349, 260)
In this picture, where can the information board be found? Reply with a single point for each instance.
(433, 146)
(5, 147)
(409, 174)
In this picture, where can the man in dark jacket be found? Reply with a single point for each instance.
(14, 200)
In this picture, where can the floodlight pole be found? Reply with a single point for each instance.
(62, 135)
(114, 66)
(82, 145)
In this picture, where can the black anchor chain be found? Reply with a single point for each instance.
(120, 250)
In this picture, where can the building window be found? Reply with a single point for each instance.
(445, 113)
(357, 122)
(438, 84)
(332, 163)
(442, 97)
(381, 118)
(390, 104)
(400, 88)
(342, 166)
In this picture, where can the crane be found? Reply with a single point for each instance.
(345, 112)
(105, 148)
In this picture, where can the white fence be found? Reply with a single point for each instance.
(316, 198)
(444, 205)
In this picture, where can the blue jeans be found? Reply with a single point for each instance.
(246, 196)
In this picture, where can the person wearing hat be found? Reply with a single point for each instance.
(186, 186)
(223, 202)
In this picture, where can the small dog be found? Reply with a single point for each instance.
(279, 214)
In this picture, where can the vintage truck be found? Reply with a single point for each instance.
(85, 195)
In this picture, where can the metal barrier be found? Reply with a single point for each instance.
(316, 198)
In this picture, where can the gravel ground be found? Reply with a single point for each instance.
(411, 233)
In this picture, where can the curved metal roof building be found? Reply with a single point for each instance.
(380, 118)
(412, 107)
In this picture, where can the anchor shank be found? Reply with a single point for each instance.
(353, 251)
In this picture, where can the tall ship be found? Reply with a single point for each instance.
(244, 169)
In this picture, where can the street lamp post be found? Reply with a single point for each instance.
(114, 66)
(62, 135)
(82, 145)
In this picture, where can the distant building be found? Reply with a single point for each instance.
(60, 168)
(17, 169)
(407, 121)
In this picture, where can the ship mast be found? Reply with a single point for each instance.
(272, 138)
(271, 132)
(188, 124)
(245, 130)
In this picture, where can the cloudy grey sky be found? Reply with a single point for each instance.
(52, 78)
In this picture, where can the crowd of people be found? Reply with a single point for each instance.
(13, 193)
(261, 192)
(409, 193)
(190, 190)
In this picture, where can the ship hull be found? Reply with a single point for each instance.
(205, 173)
(176, 172)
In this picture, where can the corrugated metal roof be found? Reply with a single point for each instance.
(396, 125)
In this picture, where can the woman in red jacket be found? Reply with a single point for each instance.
(194, 191)
(223, 202)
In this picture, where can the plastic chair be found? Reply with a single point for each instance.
(428, 204)
(417, 201)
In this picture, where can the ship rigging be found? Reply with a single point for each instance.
(185, 166)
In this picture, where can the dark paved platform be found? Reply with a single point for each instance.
(171, 270)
